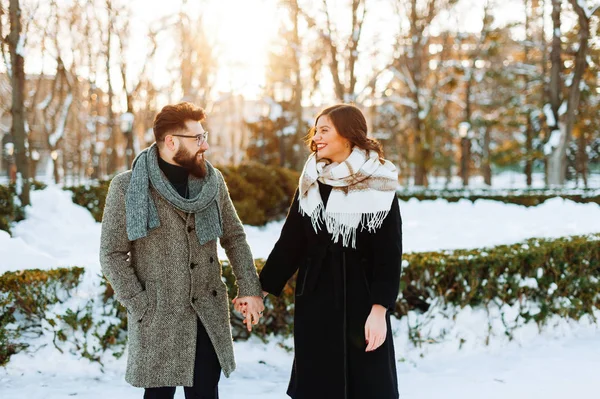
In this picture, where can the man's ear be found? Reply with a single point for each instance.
(169, 142)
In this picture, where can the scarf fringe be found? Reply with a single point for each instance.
(317, 217)
(341, 224)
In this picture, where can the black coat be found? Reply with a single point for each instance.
(335, 290)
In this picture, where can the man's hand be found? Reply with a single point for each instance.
(251, 307)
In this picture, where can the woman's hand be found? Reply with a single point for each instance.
(251, 307)
(375, 328)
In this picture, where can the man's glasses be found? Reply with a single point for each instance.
(200, 138)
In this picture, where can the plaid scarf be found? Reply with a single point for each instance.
(362, 193)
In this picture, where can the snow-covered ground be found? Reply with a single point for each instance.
(439, 224)
(561, 361)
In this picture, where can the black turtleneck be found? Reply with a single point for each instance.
(177, 176)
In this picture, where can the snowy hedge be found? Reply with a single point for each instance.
(260, 193)
(10, 210)
(542, 277)
(25, 298)
(91, 197)
(525, 197)
(533, 282)
(10, 206)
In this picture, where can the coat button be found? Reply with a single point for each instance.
(190, 229)
(214, 292)
(192, 265)
(211, 259)
(194, 299)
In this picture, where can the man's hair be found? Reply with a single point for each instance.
(172, 118)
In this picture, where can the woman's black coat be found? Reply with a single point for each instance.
(335, 290)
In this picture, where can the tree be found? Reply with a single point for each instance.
(412, 66)
(17, 72)
(339, 52)
(560, 138)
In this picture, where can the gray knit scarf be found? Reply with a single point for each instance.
(142, 215)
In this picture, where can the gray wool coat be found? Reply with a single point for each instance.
(166, 280)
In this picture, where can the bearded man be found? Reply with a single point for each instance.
(158, 250)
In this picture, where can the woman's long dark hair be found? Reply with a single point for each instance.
(351, 124)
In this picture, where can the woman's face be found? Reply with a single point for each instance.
(330, 144)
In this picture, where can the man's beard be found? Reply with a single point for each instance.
(194, 163)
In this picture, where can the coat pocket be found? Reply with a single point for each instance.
(152, 299)
(302, 276)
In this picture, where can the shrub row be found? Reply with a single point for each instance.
(560, 277)
(259, 193)
(525, 197)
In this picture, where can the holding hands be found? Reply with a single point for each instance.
(251, 307)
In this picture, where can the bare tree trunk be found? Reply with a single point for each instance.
(15, 44)
(551, 170)
(298, 158)
(558, 158)
(555, 59)
(112, 163)
(529, 151)
(529, 7)
(487, 168)
(465, 154)
(342, 61)
(415, 67)
(582, 158)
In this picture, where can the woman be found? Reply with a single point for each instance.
(343, 234)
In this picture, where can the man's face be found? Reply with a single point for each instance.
(189, 155)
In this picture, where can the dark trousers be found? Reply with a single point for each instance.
(207, 372)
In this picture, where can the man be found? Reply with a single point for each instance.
(159, 252)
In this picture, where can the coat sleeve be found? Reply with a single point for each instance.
(282, 262)
(236, 247)
(387, 256)
(115, 247)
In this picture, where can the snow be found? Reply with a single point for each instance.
(60, 130)
(553, 142)
(401, 100)
(21, 45)
(563, 108)
(44, 103)
(55, 233)
(549, 115)
(439, 224)
(559, 361)
(289, 130)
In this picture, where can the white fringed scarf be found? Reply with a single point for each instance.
(362, 193)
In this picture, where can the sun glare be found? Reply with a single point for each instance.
(243, 32)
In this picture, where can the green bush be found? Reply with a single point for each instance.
(25, 296)
(10, 209)
(558, 276)
(525, 197)
(259, 193)
(92, 197)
